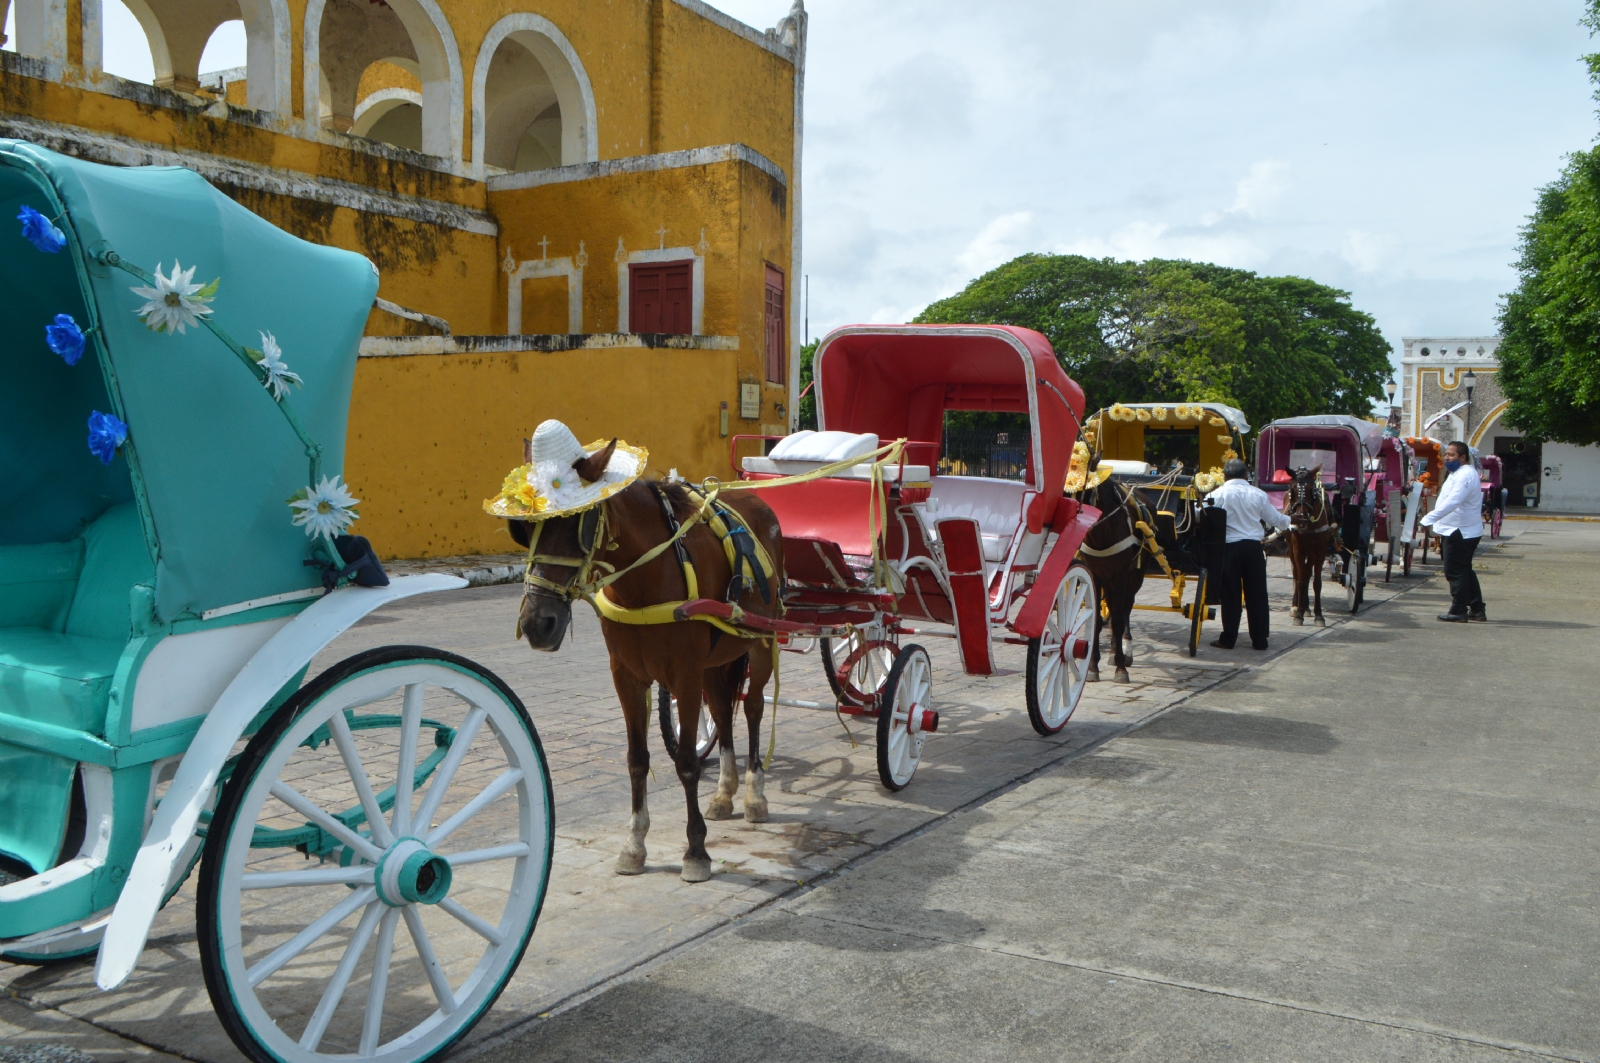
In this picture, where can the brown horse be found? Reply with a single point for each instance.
(1113, 551)
(691, 659)
(1310, 534)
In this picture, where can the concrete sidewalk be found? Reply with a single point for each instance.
(1381, 846)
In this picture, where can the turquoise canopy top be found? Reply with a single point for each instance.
(210, 457)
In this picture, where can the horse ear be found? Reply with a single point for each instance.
(527, 452)
(1316, 473)
(593, 467)
(521, 532)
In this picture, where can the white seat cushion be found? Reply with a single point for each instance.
(1125, 467)
(824, 446)
(891, 473)
(995, 504)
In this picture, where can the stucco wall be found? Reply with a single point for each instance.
(432, 436)
(1571, 480)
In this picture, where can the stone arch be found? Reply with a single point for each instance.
(433, 46)
(178, 30)
(568, 82)
(1481, 432)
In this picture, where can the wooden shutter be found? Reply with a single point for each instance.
(661, 297)
(777, 335)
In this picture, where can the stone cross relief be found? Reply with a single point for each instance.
(544, 249)
(661, 235)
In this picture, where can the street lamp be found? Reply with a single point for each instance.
(1391, 428)
(1471, 382)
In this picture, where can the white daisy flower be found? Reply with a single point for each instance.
(560, 485)
(278, 374)
(327, 509)
(175, 302)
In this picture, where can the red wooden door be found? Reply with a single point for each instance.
(777, 339)
(661, 297)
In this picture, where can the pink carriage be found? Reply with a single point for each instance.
(877, 546)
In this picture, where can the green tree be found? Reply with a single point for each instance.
(1550, 325)
(806, 414)
(1183, 331)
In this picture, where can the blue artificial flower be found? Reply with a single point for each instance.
(40, 231)
(65, 338)
(106, 434)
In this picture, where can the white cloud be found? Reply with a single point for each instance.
(1261, 188)
(1002, 240)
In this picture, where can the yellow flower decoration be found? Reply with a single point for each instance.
(1224, 440)
(1218, 422)
(1142, 414)
(1159, 413)
(517, 497)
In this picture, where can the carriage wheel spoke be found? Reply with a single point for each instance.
(373, 1020)
(317, 876)
(452, 761)
(303, 940)
(346, 743)
(482, 856)
(430, 962)
(312, 1037)
(505, 782)
(477, 925)
(301, 804)
(410, 727)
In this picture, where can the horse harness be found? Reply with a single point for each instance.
(747, 559)
(1297, 499)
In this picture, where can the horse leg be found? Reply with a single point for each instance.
(1094, 652)
(696, 861)
(1316, 583)
(755, 703)
(721, 683)
(634, 694)
(1121, 612)
(1297, 571)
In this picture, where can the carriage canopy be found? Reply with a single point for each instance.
(1344, 446)
(897, 381)
(209, 462)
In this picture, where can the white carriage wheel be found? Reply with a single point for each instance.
(1056, 674)
(905, 716)
(857, 666)
(705, 739)
(402, 937)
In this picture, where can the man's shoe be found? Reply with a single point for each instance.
(1480, 616)
(1218, 644)
(1261, 648)
(1453, 618)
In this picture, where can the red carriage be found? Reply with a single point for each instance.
(1494, 493)
(1365, 471)
(888, 542)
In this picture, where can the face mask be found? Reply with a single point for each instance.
(1452, 466)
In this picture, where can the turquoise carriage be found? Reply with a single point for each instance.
(373, 845)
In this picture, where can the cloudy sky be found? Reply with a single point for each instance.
(1387, 147)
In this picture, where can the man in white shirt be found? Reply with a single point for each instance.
(1250, 513)
(1457, 519)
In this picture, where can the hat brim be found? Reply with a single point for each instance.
(627, 465)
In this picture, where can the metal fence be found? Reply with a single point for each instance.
(984, 452)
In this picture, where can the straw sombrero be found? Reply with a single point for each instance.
(548, 486)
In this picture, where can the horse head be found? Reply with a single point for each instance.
(1307, 505)
(560, 548)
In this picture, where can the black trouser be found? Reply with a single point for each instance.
(1465, 595)
(1244, 564)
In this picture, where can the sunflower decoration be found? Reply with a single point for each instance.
(1229, 455)
(1218, 422)
(1142, 414)
(1159, 413)
(1206, 482)
(1078, 476)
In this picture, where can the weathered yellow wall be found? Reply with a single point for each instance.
(432, 436)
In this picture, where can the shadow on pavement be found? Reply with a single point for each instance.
(1273, 734)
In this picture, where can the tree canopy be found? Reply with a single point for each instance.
(1550, 325)
(1178, 331)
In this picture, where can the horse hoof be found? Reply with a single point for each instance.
(1321, 622)
(1094, 677)
(1299, 621)
(1122, 676)
(755, 811)
(630, 862)
(720, 807)
(696, 869)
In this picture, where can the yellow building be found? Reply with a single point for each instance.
(585, 209)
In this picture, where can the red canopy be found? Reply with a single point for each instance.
(898, 380)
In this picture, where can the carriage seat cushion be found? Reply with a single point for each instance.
(824, 446)
(115, 558)
(995, 504)
(36, 583)
(891, 473)
(57, 678)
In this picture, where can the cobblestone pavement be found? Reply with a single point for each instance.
(827, 808)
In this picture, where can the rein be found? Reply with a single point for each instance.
(1301, 506)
